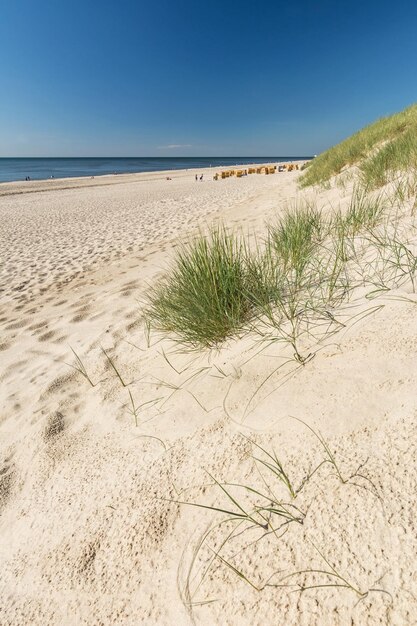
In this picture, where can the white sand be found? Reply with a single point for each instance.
(87, 535)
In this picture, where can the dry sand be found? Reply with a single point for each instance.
(88, 535)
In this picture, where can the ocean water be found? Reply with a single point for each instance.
(13, 169)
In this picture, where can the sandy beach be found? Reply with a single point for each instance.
(90, 525)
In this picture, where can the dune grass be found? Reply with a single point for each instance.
(364, 212)
(308, 273)
(387, 145)
(395, 258)
(290, 287)
(203, 299)
(294, 238)
(219, 287)
(398, 154)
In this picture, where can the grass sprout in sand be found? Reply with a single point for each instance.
(80, 367)
(252, 514)
(334, 579)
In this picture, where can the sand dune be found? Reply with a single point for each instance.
(90, 532)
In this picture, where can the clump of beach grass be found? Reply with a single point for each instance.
(203, 298)
(395, 262)
(294, 238)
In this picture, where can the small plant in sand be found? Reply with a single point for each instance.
(294, 239)
(330, 458)
(334, 579)
(203, 298)
(303, 273)
(133, 408)
(113, 366)
(247, 508)
(273, 517)
(269, 513)
(395, 262)
(80, 368)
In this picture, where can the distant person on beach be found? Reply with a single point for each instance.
(201, 177)
(196, 177)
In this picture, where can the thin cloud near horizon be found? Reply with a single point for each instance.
(172, 146)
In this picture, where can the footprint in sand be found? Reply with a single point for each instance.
(38, 327)
(18, 324)
(7, 478)
(55, 426)
(60, 339)
(60, 384)
(81, 312)
(47, 336)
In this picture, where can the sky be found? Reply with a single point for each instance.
(191, 78)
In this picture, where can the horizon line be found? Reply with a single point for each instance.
(211, 156)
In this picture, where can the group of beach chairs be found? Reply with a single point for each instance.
(257, 170)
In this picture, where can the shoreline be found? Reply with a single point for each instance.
(9, 188)
(83, 223)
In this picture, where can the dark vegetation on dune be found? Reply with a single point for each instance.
(381, 150)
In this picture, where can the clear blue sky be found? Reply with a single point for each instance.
(183, 77)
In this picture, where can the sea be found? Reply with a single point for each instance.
(40, 168)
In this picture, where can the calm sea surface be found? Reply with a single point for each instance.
(41, 168)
